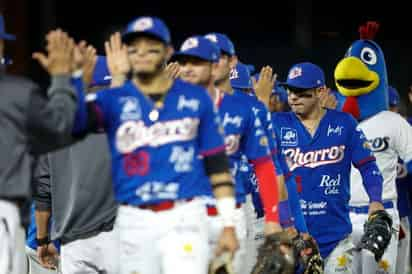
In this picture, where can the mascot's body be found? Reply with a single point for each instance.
(361, 80)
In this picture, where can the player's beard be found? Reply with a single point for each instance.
(222, 78)
(207, 78)
(147, 75)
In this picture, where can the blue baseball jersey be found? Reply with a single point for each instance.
(32, 232)
(244, 139)
(157, 153)
(321, 165)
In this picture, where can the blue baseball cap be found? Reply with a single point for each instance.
(101, 74)
(147, 26)
(240, 77)
(3, 34)
(304, 76)
(200, 47)
(223, 42)
(394, 98)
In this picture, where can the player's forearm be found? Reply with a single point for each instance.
(42, 223)
(217, 168)
(268, 189)
(223, 190)
(222, 185)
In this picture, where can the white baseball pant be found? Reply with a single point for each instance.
(12, 236)
(364, 263)
(94, 255)
(340, 260)
(403, 259)
(215, 230)
(173, 241)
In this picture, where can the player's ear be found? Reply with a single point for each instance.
(169, 52)
(233, 60)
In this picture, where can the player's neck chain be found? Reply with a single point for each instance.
(158, 99)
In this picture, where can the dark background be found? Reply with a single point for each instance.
(295, 31)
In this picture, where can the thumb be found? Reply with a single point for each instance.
(41, 58)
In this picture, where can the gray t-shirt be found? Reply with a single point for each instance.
(76, 184)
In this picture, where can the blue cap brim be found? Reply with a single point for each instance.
(294, 88)
(191, 54)
(128, 37)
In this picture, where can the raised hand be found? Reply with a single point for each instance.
(327, 99)
(173, 70)
(117, 59)
(264, 85)
(59, 59)
(85, 59)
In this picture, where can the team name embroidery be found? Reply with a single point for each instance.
(295, 158)
(134, 134)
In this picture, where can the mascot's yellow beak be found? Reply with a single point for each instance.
(354, 78)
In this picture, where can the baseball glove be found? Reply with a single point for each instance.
(274, 260)
(307, 255)
(378, 233)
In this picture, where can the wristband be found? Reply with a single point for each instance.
(226, 208)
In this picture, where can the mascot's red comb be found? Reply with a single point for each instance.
(368, 31)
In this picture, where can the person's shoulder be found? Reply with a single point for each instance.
(18, 81)
(110, 91)
(190, 91)
(188, 88)
(342, 117)
(282, 116)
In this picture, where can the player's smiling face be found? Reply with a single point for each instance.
(195, 70)
(303, 102)
(147, 55)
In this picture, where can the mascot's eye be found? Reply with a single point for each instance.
(368, 56)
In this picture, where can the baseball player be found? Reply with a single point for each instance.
(31, 124)
(166, 152)
(198, 59)
(289, 204)
(319, 146)
(403, 185)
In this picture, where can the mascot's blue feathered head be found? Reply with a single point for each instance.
(361, 77)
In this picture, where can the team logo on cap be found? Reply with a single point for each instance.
(211, 37)
(295, 72)
(190, 44)
(234, 74)
(143, 24)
